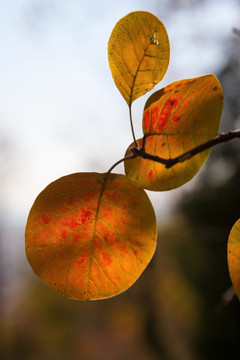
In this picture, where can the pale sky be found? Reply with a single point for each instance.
(60, 111)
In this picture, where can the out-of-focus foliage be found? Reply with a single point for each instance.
(212, 208)
(234, 256)
(176, 119)
(90, 236)
(138, 53)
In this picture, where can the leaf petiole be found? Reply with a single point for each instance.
(132, 128)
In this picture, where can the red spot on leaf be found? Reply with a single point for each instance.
(150, 174)
(106, 259)
(72, 223)
(166, 113)
(85, 216)
(46, 219)
(154, 117)
(84, 256)
(136, 251)
(64, 234)
(125, 207)
(147, 119)
(80, 261)
(150, 139)
(176, 118)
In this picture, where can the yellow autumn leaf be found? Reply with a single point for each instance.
(233, 250)
(176, 119)
(89, 238)
(138, 53)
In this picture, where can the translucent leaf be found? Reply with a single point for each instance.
(234, 256)
(138, 53)
(90, 239)
(176, 119)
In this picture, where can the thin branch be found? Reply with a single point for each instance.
(132, 128)
(119, 162)
(222, 137)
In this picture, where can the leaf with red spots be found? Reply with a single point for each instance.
(138, 53)
(90, 237)
(234, 256)
(176, 119)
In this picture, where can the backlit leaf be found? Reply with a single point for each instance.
(234, 256)
(138, 53)
(176, 119)
(89, 238)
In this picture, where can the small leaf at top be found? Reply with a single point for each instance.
(138, 54)
(89, 238)
(176, 119)
(233, 250)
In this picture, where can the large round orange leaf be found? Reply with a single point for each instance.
(88, 237)
(176, 119)
(234, 256)
(138, 53)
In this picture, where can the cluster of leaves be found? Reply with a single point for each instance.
(91, 235)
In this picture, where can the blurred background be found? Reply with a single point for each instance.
(61, 113)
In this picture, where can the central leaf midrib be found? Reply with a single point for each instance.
(136, 74)
(105, 178)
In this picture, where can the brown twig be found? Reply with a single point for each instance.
(222, 137)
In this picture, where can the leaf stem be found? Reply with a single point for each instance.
(222, 137)
(132, 128)
(118, 162)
